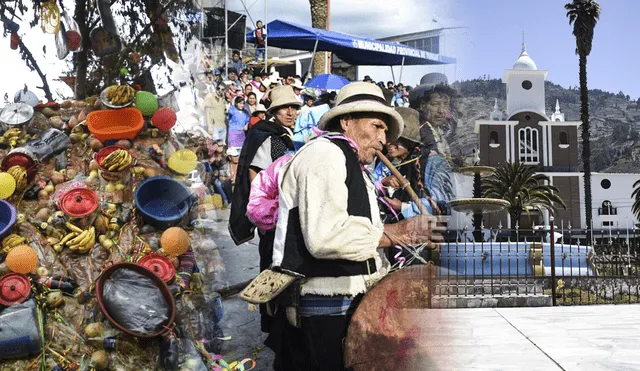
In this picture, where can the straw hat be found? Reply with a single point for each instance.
(363, 97)
(411, 120)
(259, 108)
(283, 96)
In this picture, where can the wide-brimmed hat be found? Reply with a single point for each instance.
(283, 96)
(297, 84)
(363, 97)
(259, 108)
(411, 120)
(427, 83)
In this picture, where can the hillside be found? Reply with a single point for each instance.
(615, 121)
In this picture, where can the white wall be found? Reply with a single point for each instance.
(620, 196)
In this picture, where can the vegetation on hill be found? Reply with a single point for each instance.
(615, 120)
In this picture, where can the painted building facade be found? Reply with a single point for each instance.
(528, 134)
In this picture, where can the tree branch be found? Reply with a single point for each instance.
(32, 63)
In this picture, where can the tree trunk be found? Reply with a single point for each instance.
(586, 134)
(319, 19)
(82, 57)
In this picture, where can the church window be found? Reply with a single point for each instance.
(493, 138)
(528, 146)
(564, 140)
(526, 84)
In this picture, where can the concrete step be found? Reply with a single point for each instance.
(498, 301)
(496, 289)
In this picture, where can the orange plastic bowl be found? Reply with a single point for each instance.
(116, 124)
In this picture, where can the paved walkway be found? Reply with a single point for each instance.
(603, 337)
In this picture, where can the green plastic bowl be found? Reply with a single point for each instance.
(146, 102)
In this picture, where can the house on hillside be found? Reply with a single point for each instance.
(531, 135)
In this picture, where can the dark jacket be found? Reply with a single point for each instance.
(240, 227)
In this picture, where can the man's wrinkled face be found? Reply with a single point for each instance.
(369, 133)
(436, 108)
(286, 115)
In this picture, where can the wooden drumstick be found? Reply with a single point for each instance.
(403, 181)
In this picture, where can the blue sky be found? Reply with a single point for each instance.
(495, 28)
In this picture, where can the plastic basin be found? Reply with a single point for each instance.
(116, 124)
(166, 293)
(7, 218)
(162, 201)
(112, 176)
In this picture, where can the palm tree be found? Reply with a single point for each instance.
(319, 19)
(583, 15)
(635, 209)
(523, 188)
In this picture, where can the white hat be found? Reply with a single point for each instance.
(283, 96)
(297, 84)
(231, 151)
(259, 108)
(266, 82)
(363, 97)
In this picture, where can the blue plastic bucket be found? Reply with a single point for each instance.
(163, 201)
(7, 218)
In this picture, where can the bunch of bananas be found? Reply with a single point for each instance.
(120, 94)
(13, 137)
(20, 175)
(117, 160)
(11, 241)
(78, 240)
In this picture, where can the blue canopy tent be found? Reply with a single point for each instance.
(354, 50)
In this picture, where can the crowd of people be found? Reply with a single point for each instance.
(301, 169)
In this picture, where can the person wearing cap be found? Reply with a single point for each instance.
(329, 230)
(226, 178)
(258, 114)
(432, 98)
(298, 88)
(368, 78)
(266, 142)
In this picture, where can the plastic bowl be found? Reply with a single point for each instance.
(164, 119)
(162, 201)
(115, 124)
(166, 293)
(112, 176)
(7, 218)
(146, 102)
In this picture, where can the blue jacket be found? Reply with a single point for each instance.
(237, 118)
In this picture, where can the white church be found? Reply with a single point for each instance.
(531, 135)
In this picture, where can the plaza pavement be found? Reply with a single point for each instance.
(597, 337)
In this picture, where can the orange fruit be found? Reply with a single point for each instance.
(175, 241)
(22, 259)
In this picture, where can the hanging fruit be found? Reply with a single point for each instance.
(50, 17)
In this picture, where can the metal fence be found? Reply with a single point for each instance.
(530, 262)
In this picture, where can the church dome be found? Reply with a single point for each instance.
(525, 62)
